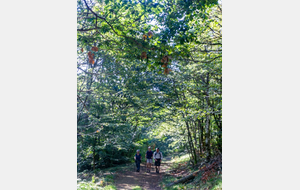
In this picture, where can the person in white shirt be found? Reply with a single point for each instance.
(158, 157)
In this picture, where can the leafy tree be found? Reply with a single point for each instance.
(149, 73)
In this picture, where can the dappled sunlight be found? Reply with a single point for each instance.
(149, 77)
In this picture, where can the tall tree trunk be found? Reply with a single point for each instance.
(207, 124)
(195, 134)
(207, 137)
(219, 124)
(191, 142)
(190, 147)
(195, 139)
(94, 160)
(189, 150)
(200, 129)
(94, 152)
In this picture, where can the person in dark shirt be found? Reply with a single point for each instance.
(138, 160)
(149, 157)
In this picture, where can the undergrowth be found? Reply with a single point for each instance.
(137, 188)
(104, 182)
(180, 167)
(99, 179)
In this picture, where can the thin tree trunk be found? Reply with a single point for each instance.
(200, 129)
(94, 160)
(195, 134)
(94, 152)
(207, 137)
(191, 143)
(219, 124)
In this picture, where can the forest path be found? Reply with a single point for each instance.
(126, 180)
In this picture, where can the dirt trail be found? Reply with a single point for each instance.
(147, 181)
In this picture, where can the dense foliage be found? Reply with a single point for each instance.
(148, 73)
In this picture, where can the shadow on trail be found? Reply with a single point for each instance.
(147, 181)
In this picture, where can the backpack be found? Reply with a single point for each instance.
(156, 153)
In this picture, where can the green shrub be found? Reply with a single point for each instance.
(137, 188)
(87, 186)
(93, 179)
(110, 187)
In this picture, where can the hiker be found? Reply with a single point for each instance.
(138, 160)
(158, 157)
(149, 157)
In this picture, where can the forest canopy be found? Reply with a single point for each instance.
(149, 73)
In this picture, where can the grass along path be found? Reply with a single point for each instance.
(130, 179)
(124, 177)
